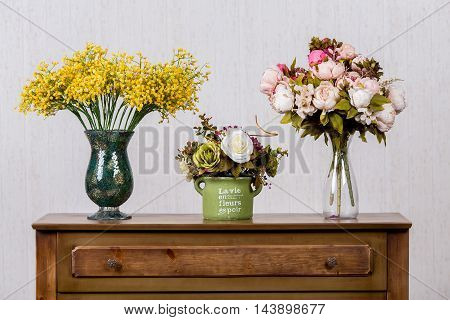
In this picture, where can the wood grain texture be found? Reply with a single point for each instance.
(222, 261)
(45, 265)
(374, 295)
(398, 265)
(147, 222)
(67, 241)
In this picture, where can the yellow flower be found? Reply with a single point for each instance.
(92, 78)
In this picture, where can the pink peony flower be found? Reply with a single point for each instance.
(283, 99)
(360, 98)
(328, 70)
(325, 96)
(386, 118)
(351, 78)
(397, 97)
(346, 51)
(370, 84)
(316, 57)
(269, 80)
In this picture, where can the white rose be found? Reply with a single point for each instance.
(397, 97)
(360, 97)
(325, 96)
(237, 145)
(303, 100)
(283, 99)
(386, 118)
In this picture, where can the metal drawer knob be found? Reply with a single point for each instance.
(331, 262)
(114, 264)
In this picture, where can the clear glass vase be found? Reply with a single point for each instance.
(340, 196)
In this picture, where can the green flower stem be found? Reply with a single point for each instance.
(104, 106)
(132, 112)
(339, 183)
(77, 114)
(349, 180)
(123, 116)
(88, 115)
(105, 113)
(117, 114)
(97, 113)
(112, 111)
(139, 115)
(331, 191)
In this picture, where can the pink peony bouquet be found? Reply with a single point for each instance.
(340, 92)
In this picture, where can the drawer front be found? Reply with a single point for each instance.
(220, 262)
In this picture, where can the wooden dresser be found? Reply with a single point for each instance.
(176, 256)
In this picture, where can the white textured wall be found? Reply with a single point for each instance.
(42, 162)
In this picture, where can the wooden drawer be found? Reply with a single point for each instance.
(222, 261)
(227, 261)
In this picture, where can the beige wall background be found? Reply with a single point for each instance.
(43, 162)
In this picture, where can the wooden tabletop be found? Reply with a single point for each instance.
(148, 222)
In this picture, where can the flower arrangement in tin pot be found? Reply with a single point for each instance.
(339, 94)
(110, 94)
(228, 169)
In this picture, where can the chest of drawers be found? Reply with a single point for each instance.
(277, 256)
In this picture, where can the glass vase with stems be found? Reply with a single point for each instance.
(340, 197)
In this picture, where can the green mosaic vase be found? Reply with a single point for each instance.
(226, 198)
(109, 179)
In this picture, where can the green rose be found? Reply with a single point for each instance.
(207, 157)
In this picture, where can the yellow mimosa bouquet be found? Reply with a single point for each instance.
(114, 91)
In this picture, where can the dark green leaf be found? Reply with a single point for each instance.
(352, 113)
(336, 122)
(299, 80)
(336, 141)
(362, 136)
(343, 104)
(286, 118)
(324, 118)
(344, 94)
(375, 107)
(380, 136)
(379, 100)
(294, 62)
(305, 132)
(317, 135)
(296, 120)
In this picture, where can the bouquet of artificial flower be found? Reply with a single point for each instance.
(228, 152)
(340, 93)
(113, 91)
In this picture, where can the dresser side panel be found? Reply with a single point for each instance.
(46, 246)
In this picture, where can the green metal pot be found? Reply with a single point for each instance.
(227, 198)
